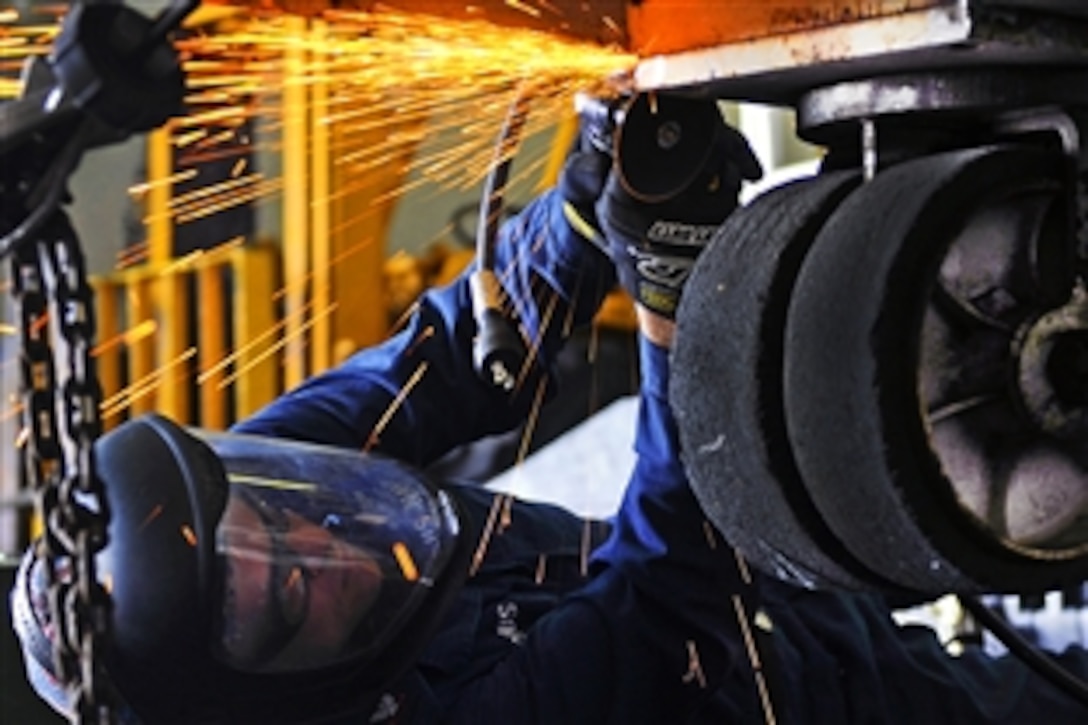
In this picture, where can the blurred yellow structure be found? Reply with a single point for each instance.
(289, 304)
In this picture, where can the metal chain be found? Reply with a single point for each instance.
(55, 307)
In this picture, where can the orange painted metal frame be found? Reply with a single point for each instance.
(657, 27)
(645, 27)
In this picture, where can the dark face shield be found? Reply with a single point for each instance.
(323, 553)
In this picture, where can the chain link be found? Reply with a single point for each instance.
(56, 310)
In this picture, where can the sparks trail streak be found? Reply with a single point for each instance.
(398, 69)
(215, 370)
(402, 321)
(586, 548)
(534, 348)
(141, 388)
(405, 561)
(507, 516)
(403, 67)
(591, 359)
(280, 344)
(206, 375)
(130, 336)
(12, 413)
(155, 513)
(394, 406)
(223, 145)
(695, 666)
(530, 423)
(458, 164)
(754, 659)
(387, 74)
(546, 318)
(522, 7)
(749, 640)
(211, 198)
(712, 542)
(185, 139)
(138, 190)
(500, 502)
(259, 340)
(218, 254)
(568, 319)
(424, 335)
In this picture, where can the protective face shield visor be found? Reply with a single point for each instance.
(323, 554)
(256, 579)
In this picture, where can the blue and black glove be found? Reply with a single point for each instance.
(654, 236)
(586, 168)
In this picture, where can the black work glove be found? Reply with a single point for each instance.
(654, 243)
(585, 171)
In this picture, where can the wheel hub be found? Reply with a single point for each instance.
(1052, 369)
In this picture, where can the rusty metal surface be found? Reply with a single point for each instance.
(780, 69)
(671, 26)
(603, 22)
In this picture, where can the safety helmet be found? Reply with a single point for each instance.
(256, 579)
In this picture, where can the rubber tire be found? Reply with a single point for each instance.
(726, 387)
(851, 380)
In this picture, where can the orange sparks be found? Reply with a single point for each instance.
(426, 334)
(541, 568)
(12, 413)
(405, 562)
(140, 331)
(39, 324)
(711, 538)
(183, 140)
(387, 71)
(415, 97)
(129, 337)
(534, 415)
(695, 667)
(143, 387)
(522, 7)
(534, 348)
(402, 394)
(155, 512)
(133, 255)
(293, 577)
(382, 70)
(279, 345)
(497, 504)
(138, 190)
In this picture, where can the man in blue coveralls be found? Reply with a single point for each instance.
(323, 585)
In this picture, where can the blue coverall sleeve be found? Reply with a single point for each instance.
(654, 632)
(417, 396)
